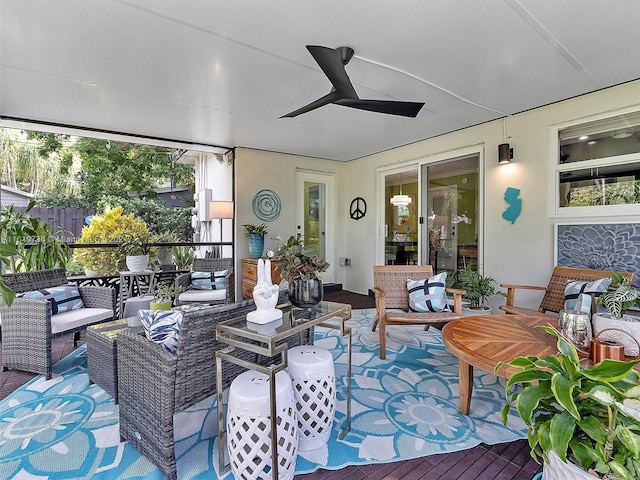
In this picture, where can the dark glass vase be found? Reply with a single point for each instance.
(305, 293)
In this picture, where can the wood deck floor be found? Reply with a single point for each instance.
(505, 461)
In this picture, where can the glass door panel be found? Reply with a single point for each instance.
(315, 220)
(401, 218)
(451, 207)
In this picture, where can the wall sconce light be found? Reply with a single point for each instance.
(505, 153)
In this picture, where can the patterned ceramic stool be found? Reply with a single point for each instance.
(249, 427)
(314, 385)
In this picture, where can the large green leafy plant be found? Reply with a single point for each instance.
(35, 245)
(298, 261)
(479, 287)
(619, 295)
(589, 414)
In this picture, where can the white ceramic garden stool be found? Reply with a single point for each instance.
(249, 427)
(314, 386)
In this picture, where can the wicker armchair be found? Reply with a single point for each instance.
(553, 299)
(154, 384)
(390, 289)
(209, 297)
(27, 325)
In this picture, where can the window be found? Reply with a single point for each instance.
(597, 167)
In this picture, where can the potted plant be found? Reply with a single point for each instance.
(582, 418)
(136, 249)
(303, 268)
(110, 227)
(619, 296)
(479, 289)
(163, 296)
(255, 235)
(182, 256)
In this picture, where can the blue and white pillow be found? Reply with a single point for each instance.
(162, 327)
(428, 295)
(63, 298)
(574, 288)
(209, 280)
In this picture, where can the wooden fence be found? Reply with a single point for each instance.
(66, 222)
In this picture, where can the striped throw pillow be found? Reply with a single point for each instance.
(63, 298)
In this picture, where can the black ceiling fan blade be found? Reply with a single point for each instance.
(391, 107)
(331, 64)
(330, 97)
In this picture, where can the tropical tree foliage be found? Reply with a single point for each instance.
(120, 168)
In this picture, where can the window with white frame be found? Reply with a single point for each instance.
(597, 167)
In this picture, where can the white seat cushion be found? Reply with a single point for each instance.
(202, 295)
(61, 322)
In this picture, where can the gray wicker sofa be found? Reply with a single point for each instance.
(28, 325)
(154, 384)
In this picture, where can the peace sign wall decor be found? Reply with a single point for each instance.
(358, 208)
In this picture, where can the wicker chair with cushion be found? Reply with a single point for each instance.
(30, 323)
(554, 296)
(205, 291)
(392, 300)
(154, 384)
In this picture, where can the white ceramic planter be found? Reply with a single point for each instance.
(137, 263)
(628, 323)
(470, 312)
(556, 469)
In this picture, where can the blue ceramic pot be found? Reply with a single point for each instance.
(256, 245)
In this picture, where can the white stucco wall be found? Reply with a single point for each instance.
(257, 170)
(521, 253)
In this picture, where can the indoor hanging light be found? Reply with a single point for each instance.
(400, 200)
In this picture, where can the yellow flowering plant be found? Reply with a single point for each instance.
(114, 228)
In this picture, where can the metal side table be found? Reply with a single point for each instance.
(240, 335)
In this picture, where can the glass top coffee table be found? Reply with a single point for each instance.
(269, 341)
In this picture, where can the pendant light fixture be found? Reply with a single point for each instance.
(400, 200)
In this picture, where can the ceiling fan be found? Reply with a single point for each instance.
(332, 62)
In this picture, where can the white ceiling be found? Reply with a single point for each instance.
(221, 72)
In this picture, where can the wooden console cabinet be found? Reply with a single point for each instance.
(250, 275)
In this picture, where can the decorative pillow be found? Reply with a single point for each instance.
(162, 327)
(63, 298)
(428, 295)
(574, 288)
(209, 280)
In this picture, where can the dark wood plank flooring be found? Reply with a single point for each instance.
(505, 461)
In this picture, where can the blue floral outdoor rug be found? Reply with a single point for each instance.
(403, 407)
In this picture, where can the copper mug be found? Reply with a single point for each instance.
(600, 350)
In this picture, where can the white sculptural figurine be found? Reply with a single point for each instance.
(265, 295)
